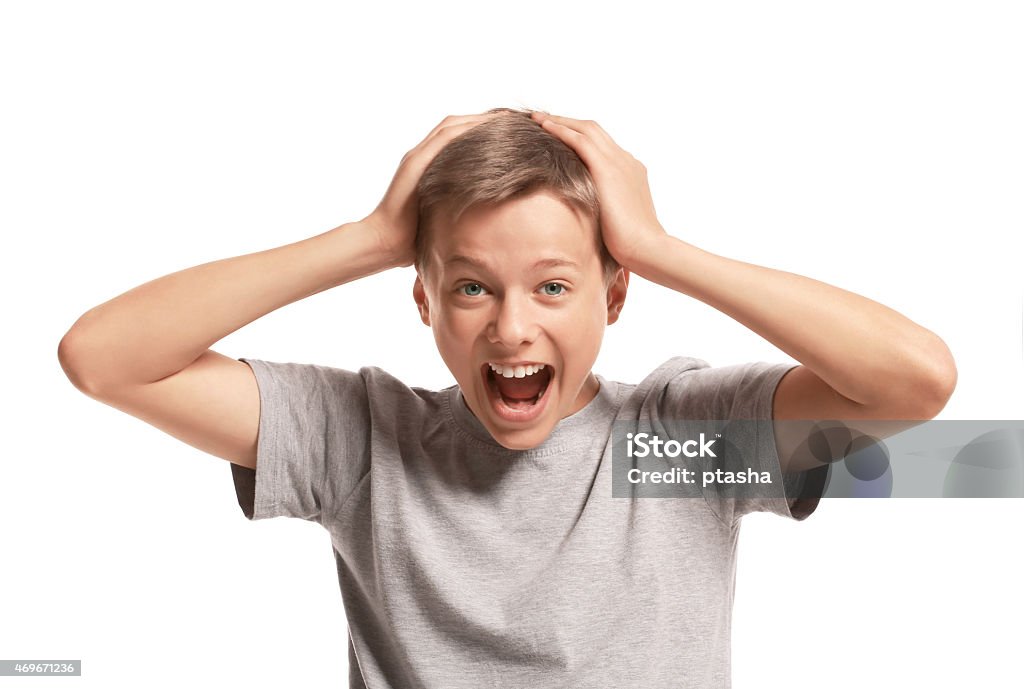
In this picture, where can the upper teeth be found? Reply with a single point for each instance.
(516, 371)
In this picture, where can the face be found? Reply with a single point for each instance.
(513, 287)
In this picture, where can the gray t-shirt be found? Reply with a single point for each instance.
(465, 564)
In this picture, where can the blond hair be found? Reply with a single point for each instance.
(504, 158)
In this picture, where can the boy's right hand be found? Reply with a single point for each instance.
(395, 219)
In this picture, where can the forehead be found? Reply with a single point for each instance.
(518, 234)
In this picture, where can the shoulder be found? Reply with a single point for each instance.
(678, 365)
(690, 386)
(742, 390)
(637, 399)
(369, 386)
(383, 386)
(655, 383)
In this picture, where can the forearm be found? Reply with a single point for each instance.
(862, 349)
(162, 326)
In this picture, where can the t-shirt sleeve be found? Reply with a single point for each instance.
(313, 442)
(743, 395)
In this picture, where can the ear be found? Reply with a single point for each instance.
(617, 294)
(419, 294)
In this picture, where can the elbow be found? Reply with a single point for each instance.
(70, 357)
(945, 391)
(940, 380)
(920, 385)
(66, 356)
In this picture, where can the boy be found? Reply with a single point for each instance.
(475, 532)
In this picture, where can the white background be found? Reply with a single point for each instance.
(876, 146)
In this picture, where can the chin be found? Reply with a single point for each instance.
(526, 439)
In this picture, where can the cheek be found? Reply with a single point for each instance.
(581, 331)
(591, 317)
(458, 328)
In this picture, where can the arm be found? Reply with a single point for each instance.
(863, 363)
(159, 328)
(863, 351)
(861, 360)
(146, 352)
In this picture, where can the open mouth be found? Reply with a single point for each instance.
(518, 393)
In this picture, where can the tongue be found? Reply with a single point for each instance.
(522, 388)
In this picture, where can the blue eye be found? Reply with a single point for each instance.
(561, 289)
(472, 284)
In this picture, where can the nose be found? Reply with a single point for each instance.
(514, 322)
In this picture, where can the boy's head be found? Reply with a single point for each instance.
(507, 157)
(511, 270)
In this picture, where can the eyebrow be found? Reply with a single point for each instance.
(543, 263)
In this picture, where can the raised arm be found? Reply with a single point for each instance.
(860, 360)
(147, 352)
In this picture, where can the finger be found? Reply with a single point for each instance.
(452, 120)
(586, 146)
(427, 149)
(448, 132)
(416, 160)
(588, 127)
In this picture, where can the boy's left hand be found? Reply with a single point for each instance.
(629, 225)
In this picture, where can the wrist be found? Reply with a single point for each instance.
(353, 251)
(380, 242)
(363, 239)
(646, 252)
